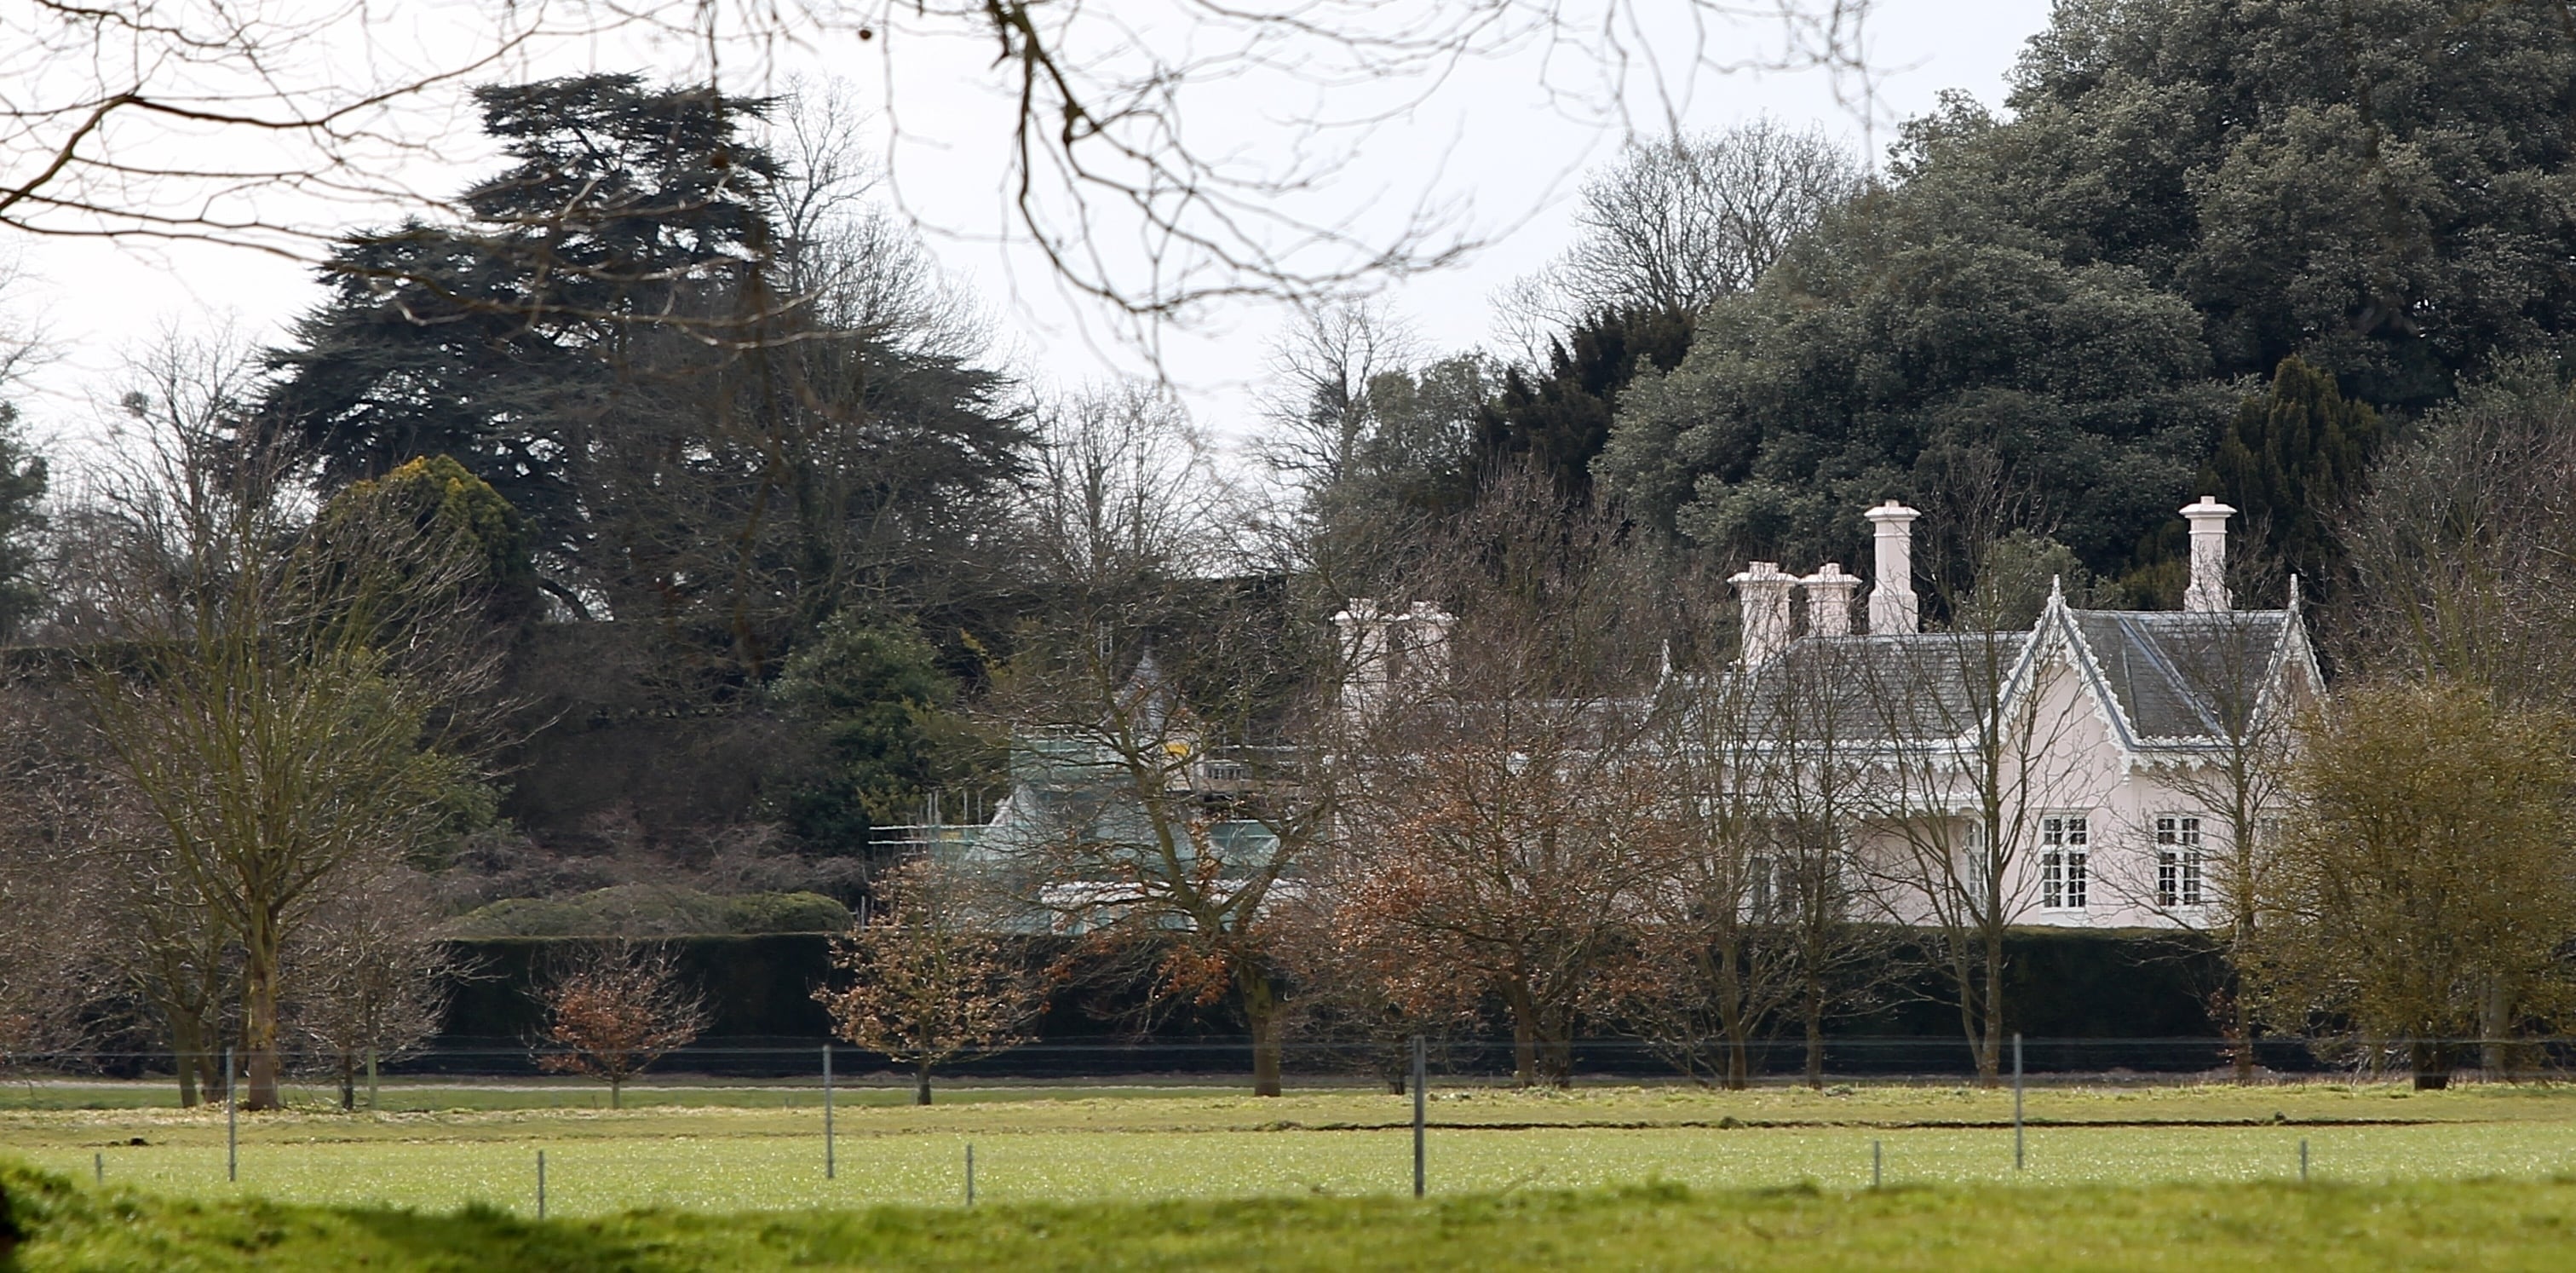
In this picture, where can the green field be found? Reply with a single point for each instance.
(2488, 1225)
(749, 1148)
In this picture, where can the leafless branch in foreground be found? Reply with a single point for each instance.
(271, 126)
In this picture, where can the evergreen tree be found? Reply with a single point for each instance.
(2185, 192)
(1559, 417)
(2288, 461)
(882, 713)
(509, 344)
(22, 517)
(696, 452)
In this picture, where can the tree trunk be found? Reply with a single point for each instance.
(1991, 1064)
(187, 1048)
(1261, 1013)
(2491, 1028)
(348, 1086)
(2244, 1038)
(614, 1084)
(1730, 1015)
(259, 1017)
(1815, 1014)
(1556, 1049)
(1559, 1055)
(921, 1083)
(2432, 1063)
(2242, 931)
(1524, 1036)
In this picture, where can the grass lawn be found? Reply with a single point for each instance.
(2484, 1225)
(741, 1149)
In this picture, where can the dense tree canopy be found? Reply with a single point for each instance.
(2380, 187)
(2289, 461)
(2069, 299)
(1914, 348)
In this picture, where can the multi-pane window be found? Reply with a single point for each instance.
(2065, 846)
(2178, 860)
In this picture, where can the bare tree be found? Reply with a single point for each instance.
(2459, 551)
(1757, 918)
(1712, 965)
(368, 979)
(286, 699)
(1156, 805)
(1324, 368)
(1159, 823)
(1822, 732)
(843, 252)
(2206, 862)
(1677, 222)
(1350, 1010)
(54, 820)
(1493, 844)
(2460, 570)
(613, 1008)
(1372, 442)
(1127, 491)
(176, 951)
(935, 983)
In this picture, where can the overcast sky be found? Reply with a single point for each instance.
(1489, 147)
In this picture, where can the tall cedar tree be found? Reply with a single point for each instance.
(497, 343)
(607, 342)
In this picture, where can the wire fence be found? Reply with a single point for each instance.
(752, 1124)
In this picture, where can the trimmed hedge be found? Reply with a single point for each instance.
(2060, 984)
(650, 910)
(756, 986)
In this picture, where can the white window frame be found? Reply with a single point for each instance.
(2065, 861)
(2181, 861)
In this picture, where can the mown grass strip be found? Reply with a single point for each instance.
(2486, 1225)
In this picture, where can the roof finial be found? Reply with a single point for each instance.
(2057, 589)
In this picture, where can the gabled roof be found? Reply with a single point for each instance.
(2180, 675)
(2159, 678)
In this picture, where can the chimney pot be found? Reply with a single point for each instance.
(1765, 590)
(1829, 600)
(1892, 607)
(2208, 591)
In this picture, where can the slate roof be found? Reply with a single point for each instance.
(2162, 677)
(1913, 685)
(2180, 675)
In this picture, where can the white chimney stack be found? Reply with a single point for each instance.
(1764, 588)
(1829, 600)
(1891, 593)
(1427, 651)
(1363, 627)
(2208, 591)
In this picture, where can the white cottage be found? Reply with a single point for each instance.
(2111, 753)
